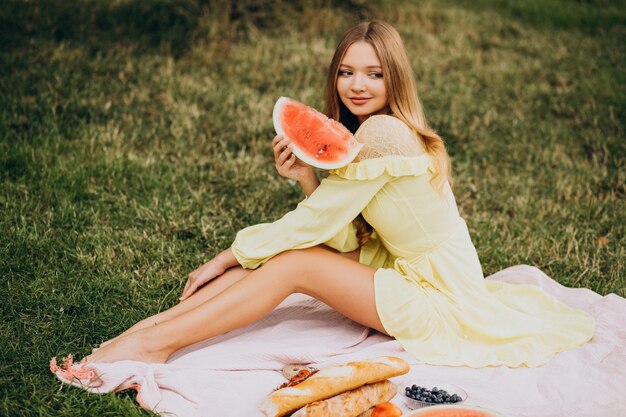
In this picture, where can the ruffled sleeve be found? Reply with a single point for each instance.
(389, 147)
(392, 165)
(318, 219)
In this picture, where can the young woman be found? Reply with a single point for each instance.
(379, 240)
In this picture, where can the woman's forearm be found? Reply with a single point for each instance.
(227, 259)
(309, 184)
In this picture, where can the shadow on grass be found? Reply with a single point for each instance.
(147, 23)
(588, 16)
(170, 24)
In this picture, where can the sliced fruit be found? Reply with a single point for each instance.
(318, 141)
(455, 411)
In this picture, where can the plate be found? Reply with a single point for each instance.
(455, 409)
(413, 404)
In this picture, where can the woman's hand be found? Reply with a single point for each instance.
(210, 270)
(287, 164)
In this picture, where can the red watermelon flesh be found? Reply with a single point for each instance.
(318, 141)
(455, 411)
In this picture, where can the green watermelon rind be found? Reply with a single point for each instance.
(303, 156)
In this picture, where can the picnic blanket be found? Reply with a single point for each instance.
(230, 375)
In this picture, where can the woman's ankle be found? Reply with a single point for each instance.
(153, 342)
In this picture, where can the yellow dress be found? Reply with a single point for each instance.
(429, 286)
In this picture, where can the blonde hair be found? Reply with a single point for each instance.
(400, 85)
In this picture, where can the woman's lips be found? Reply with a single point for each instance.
(359, 101)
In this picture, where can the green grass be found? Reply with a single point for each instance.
(134, 144)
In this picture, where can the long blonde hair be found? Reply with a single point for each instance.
(400, 85)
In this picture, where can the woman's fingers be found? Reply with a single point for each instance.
(188, 292)
(195, 281)
(284, 156)
(287, 164)
(290, 161)
(278, 144)
(188, 286)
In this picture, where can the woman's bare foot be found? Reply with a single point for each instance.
(138, 346)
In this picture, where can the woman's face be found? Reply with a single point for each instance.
(360, 82)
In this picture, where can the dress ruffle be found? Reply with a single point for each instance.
(396, 166)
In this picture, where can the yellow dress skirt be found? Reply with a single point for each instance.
(430, 291)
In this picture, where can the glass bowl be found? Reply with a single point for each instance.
(413, 404)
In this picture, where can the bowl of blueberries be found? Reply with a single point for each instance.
(422, 394)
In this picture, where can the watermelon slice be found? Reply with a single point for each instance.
(455, 411)
(318, 141)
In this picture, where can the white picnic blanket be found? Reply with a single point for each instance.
(230, 375)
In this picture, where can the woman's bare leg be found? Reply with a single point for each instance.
(204, 294)
(315, 271)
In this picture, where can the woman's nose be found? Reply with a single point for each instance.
(358, 83)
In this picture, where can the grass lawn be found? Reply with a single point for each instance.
(135, 142)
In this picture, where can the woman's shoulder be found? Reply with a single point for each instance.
(386, 121)
(384, 135)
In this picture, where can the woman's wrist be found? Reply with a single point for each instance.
(226, 259)
(309, 183)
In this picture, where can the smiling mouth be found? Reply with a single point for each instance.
(359, 100)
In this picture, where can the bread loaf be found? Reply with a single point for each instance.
(332, 381)
(367, 413)
(350, 403)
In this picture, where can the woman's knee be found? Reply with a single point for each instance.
(296, 265)
(298, 256)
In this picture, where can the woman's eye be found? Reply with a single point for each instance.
(345, 73)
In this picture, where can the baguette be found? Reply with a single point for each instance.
(332, 381)
(367, 413)
(351, 403)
